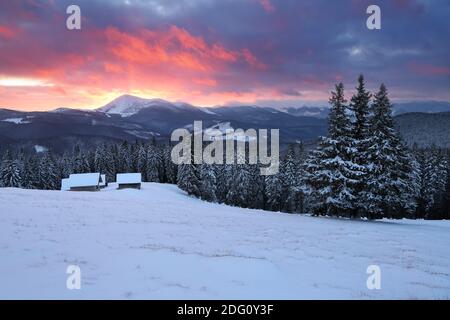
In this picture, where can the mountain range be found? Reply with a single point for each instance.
(132, 118)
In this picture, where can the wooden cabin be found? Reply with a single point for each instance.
(129, 180)
(85, 182)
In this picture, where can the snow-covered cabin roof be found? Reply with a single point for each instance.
(103, 180)
(84, 180)
(65, 184)
(125, 178)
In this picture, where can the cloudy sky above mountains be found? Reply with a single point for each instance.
(210, 52)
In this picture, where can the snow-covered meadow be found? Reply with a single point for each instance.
(158, 243)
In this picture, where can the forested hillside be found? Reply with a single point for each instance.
(425, 129)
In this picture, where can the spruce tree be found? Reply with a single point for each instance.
(31, 173)
(421, 184)
(170, 168)
(100, 159)
(230, 173)
(300, 187)
(256, 187)
(117, 164)
(189, 178)
(435, 181)
(66, 168)
(124, 163)
(10, 172)
(21, 160)
(241, 185)
(90, 161)
(273, 192)
(80, 163)
(359, 106)
(208, 183)
(330, 172)
(48, 176)
(110, 163)
(221, 181)
(388, 174)
(141, 162)
(445, 205)
(153, 164)
(134, 154)
(288, 179)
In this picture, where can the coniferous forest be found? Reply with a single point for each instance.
(361, 169)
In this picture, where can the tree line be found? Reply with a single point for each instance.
(45, 170)
(361, 169)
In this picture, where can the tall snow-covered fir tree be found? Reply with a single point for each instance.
(331, 173)
(388, 180)
(359, 105)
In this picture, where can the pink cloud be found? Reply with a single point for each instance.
(429, 69)
(6, 32)
(267, 5)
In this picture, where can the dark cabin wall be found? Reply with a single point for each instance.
(129, 186)
(92, 188)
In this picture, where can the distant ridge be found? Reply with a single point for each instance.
(133, 118)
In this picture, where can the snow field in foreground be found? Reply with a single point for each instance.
(158, 243)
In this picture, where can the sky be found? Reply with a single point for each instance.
(219, 52)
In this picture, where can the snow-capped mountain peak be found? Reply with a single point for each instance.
(128, 105)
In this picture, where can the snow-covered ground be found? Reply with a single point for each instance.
(158, 243)
(16, 120)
